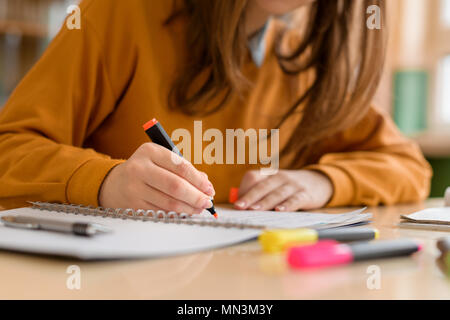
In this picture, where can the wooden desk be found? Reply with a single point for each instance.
(240, 272)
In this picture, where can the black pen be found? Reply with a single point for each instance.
(158, 135)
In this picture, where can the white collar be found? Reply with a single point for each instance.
(257, 45)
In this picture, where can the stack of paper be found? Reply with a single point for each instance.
(433, 218)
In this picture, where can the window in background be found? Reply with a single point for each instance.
(443, 67)
(26, 28)
(443, 98)
(445, 4)
(410, 71)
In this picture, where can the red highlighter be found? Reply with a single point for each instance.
(330, 253)
(233, 195)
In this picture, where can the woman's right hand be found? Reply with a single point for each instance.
(155, 178)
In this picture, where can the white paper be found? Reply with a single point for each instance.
(290, 220)
(432, 215)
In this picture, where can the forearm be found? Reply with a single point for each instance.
(373, 177)
(33, 168)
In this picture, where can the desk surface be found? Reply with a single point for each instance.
(239, 272)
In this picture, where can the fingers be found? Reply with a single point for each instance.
(181, 167)
(166, 203)
(274, 198)
(176, 187)
(299, 201)
(250, 179)
(152, 179)
(258, 192)
(288, 190)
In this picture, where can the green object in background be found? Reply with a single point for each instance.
(410, 100)
(441, 176)
(447, 262)
(410, 115)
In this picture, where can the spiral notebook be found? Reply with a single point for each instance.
(149, 234)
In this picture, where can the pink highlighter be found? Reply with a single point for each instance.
(330, 253)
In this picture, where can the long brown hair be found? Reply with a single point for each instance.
(343, 86)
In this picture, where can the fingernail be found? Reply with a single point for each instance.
(211, 192)
(208, 188)
(255, 207)
(239, 204)
(280, 208)
(207, 204)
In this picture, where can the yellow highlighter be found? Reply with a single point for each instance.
(274, 241)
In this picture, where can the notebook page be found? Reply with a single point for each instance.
(129, 239)
(289, 220)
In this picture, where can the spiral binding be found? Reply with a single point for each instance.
(140, 215)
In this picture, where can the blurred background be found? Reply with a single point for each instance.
(415, 88)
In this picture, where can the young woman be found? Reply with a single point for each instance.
(72, 130)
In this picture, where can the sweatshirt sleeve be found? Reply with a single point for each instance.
(375, 165)
(43, 126)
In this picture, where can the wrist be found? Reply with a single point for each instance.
(105, 190)
(325, 183)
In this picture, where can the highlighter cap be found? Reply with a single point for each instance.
(322, 254)
(274, 241)
(150, 124)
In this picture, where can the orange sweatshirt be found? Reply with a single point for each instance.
(79, 112)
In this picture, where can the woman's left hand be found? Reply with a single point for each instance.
(288, 190)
